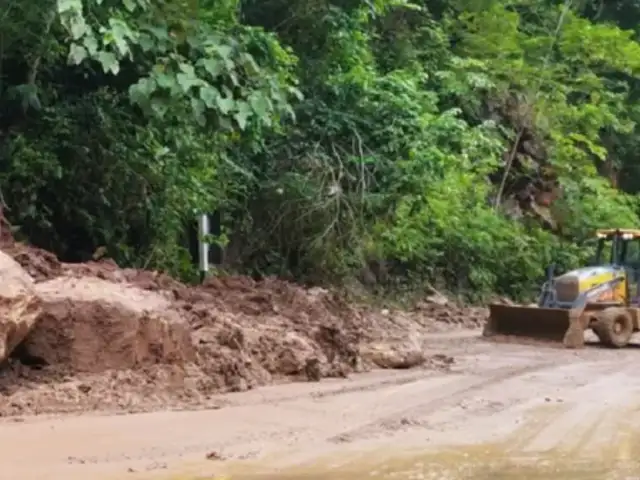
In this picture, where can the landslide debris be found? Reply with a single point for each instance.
(93, 336)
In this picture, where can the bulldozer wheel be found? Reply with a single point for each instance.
(614, 327)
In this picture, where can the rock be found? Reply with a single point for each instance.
(294, 354)
(93, 325)
(443, 359)
(436, 298)
(214, 456)
(231, 336)
(393, 357)
(545, 215)
(19, 305)
(84, 388)
(313, 370)
(535, 150)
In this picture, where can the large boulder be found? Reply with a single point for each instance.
(92, 325)
(19, 305)
(398, 356)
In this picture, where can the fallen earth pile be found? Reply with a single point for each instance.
(93, 336)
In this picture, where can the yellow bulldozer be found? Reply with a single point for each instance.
(604, 297)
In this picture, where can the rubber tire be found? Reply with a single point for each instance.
(605, 327)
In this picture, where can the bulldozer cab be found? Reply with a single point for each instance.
(616, 247)
(621, 248)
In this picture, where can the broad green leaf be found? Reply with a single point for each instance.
(209, 96)
(214, 67)
(165, 81)
(225, 104)
(90, 44)
(129, 5)
(186, 81)
(187, 69)
(146, 42)
(66, 6)
(140, 93)
(260, 104)
(224, 51)
(242, 114)
(109, 62)
(225, 124)
(250, 65)
(159, 32)
(77, 54)
(78, 28)
(119, 35)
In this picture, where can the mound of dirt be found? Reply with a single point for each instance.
(101, 337)
(249, 333)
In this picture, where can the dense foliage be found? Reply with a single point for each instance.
(466, 142)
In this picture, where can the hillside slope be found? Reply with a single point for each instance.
(465, 143)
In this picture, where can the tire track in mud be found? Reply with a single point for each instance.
(553, 401)
(393, 382)
(270, 395)
(448, 396)
(589, 418)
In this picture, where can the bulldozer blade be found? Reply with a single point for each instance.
(548, 324)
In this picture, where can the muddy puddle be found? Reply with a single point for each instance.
(455, 465)
(585, 451)
(490, 462)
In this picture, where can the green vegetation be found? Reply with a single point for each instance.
(463, 142)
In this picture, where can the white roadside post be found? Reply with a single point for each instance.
(203, 246)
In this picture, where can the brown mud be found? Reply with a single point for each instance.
(122, 339)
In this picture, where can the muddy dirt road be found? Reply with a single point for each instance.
(500, 408)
